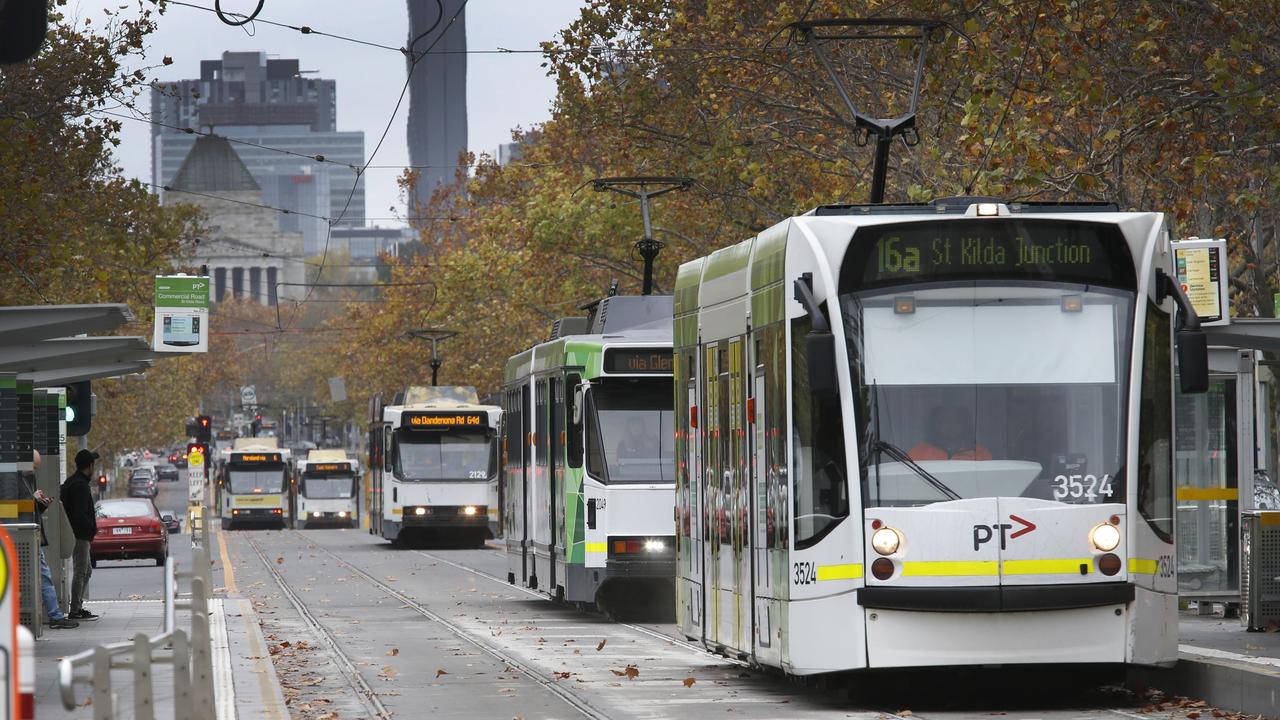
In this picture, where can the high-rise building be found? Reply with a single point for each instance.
(437, 129)
(271, 103)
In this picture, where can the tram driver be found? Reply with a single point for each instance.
(951, 437)
(640, 442)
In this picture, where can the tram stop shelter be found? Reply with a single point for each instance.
(1227, 457)
(44, 349)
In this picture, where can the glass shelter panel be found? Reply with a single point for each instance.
(1205, 457)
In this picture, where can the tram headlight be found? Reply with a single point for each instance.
(1105, 537)
(342, 513)
(420, 511)
(469, 510)
(654, 546)
(315, 514)
(886, 540)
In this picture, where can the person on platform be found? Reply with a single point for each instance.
(58, 620)
(77, 500)
(951, 437)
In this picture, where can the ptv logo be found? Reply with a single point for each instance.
(983, 534)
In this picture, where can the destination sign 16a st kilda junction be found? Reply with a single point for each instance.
(1017, 249)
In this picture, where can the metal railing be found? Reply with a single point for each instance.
(191, 655)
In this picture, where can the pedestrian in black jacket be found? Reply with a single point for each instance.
(77, 500)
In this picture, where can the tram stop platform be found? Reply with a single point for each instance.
(1222, 664)
(245, 683)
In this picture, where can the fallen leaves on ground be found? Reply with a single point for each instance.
(441, 672)
(601, 645)
(280, 561)
(630, 672)
(393, 652)
(688, 682)
(389, 672)
(904, 713)
(563, 675)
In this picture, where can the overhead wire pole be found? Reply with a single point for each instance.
(884, 129)
(436, 336)
(638, 187)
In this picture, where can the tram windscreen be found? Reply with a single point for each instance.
(427, 455)
(257, 480)
(326, 487)
(631, 434)
(990, 389)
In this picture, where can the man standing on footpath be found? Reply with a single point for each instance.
(77, 501)
(49, 595)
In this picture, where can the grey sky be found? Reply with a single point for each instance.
(503, 91)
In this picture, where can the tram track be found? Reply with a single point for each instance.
(561, 692)
(347, 668)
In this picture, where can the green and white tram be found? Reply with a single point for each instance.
(588, 464)
(328, 490)
(935, 434)
(433, 466)
(256, 485)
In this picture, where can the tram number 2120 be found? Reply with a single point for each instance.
(1089, 487)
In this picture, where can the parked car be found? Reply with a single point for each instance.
(142, 483)
(129, 529)
(171, 522)
(167, 473)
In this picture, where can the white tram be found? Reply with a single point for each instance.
(256, 485)
(936, 434)
(433, 465)
(328, 490)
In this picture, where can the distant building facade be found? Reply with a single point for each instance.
(437, 128)
(248, 97)
(246, 254)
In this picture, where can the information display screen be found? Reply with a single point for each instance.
(328, 468)
(639, 360)
(255, 458)
(1016, 248)
(444, 421)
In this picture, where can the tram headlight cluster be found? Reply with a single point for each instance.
(886, 540)
(1105, 537)
(420, 511)
(654, 546)
(469, 510)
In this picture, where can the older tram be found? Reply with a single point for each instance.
(934, 434)
(328, 490)
(255, 486)
(588, 468)
(433, 465)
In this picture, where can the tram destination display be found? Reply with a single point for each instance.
(327, 468)
(256, 458)
(638, 360)
(444, 421)
(1015, 248)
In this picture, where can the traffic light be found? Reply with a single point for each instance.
(197, 447)
(79, 409)
(102, 482)
(204, 428)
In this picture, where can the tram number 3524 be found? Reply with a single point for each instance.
(803, 573)
(1081, 486)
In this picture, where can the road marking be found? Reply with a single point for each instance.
(228, 574)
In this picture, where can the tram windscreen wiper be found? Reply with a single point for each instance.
(895, 452)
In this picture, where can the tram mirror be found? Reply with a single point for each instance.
(1193, 361)
(820, 349)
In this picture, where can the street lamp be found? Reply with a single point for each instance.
(435, 335)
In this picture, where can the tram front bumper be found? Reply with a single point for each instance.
(445, 516)
(647, 557)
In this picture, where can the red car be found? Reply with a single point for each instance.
(129, 529)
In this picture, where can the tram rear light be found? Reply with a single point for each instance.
(1105, 537)
(469, 510)
(1109, 564)
(876, 524)
(886, 540)
(904, 305)
(277, 511)
(882, 569)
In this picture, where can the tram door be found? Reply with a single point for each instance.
(694, 503)
(1210, 450)
(738, 477)
(522, 495)
(712, 498)
(761, 584)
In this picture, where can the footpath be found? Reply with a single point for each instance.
(127, 598)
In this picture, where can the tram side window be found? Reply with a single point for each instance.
(595, 448)
(821, 491)
(540, 425)
(1155, 480)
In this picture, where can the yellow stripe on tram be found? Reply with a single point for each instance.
(1200, 493)
(1141, 566)
(1058, 566)
(851, 571)
(943, 568)
(598, 547)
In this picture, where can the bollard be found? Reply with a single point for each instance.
(183, 700)
(103, 698)
(143, 707)
(170, 590)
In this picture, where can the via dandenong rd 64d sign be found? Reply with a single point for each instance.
(182, 314)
